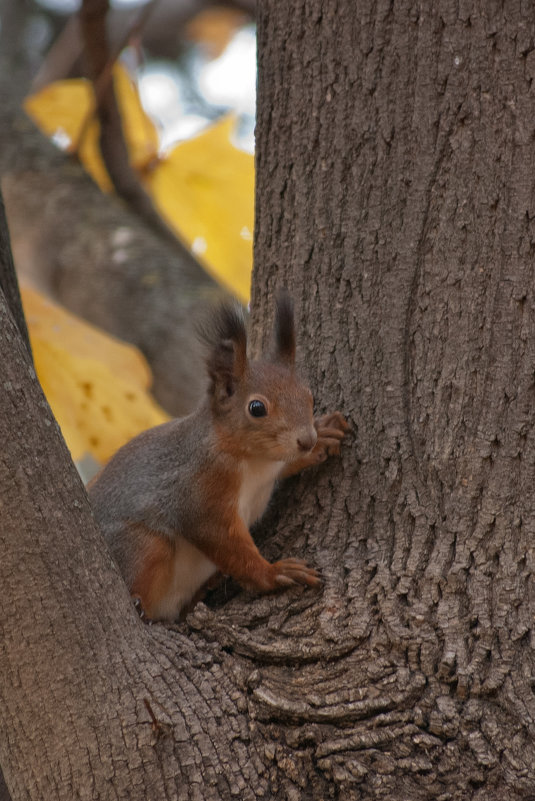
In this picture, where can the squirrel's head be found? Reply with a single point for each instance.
(260, 407)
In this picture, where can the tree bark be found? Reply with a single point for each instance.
(394, 198)
(8, 279)
(94, 704)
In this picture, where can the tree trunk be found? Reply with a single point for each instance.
(394, 197)
(400, 140)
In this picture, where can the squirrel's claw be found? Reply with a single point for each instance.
(295, 571)
(138, 606)
(331, 429)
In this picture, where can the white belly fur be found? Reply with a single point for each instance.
(190, 570)
(258, 480)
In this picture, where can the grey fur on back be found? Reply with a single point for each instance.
(148, 482)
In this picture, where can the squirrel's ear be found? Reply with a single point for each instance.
(227, 357)
(284, 329)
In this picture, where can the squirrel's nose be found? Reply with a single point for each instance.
(307, 440)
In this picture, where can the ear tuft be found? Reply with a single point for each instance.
(284, 329)
(226, 339)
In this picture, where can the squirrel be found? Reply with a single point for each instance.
(176, 502)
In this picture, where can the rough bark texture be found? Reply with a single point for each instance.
(95, 704)
(395, 199)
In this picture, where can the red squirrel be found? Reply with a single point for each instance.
(176, 502)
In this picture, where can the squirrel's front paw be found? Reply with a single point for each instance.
(294, 571)
(331, 429)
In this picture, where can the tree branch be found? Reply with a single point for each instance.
(113, 147)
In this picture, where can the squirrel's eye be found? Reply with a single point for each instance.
(257, 409)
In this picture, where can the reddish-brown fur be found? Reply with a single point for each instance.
(227, 541)
(155, 574)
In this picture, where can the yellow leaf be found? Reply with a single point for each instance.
(205, 190)
(139, 130)
(65, 110)
(204, 187)
(95, 384)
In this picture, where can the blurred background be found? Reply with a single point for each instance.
(118, 258)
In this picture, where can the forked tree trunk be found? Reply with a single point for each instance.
(395, 199)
